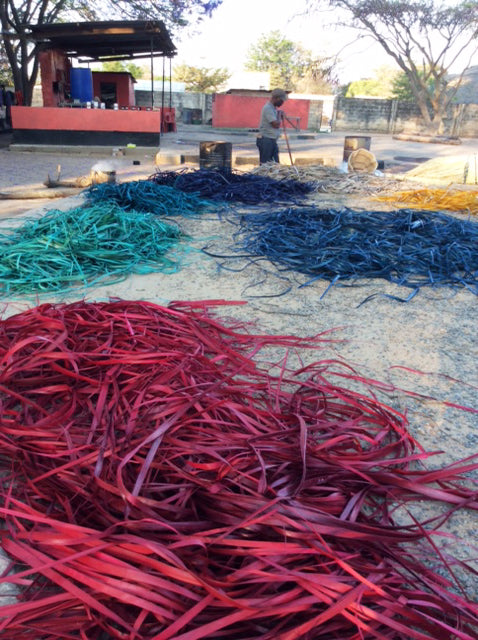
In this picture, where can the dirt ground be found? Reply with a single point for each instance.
(427, 345)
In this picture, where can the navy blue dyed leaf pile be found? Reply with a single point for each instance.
(409, 248)
(246, 188)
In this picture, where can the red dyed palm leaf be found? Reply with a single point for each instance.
(158, 484)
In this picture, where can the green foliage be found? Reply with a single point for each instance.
(23, 55)
(6, 77)
(277, 55)
(402, 87)
(423, 37)
(117, 65)
(381, 85)
(201, 79)
(290, 66)
(174, 13)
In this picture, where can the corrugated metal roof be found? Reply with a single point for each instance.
(109, 40)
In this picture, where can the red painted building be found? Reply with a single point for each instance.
(65, 118)
(114, 88)
(235, 110)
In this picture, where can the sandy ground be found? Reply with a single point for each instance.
(434, 334)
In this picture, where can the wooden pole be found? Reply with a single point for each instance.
(287, 140)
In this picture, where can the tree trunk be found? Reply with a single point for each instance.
(431, 126)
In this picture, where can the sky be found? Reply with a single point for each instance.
(224, 39)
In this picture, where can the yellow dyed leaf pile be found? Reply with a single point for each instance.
(435, 199)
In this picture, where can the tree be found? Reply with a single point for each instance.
(174, 13)
(424, 38)
(201, 79)
(289, 65)
(16, 15)
(5, 71)
(118, 65)
(275, 54)
(402, 89)
(313, 74)
(381, 85)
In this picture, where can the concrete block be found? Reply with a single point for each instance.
(305, 136)
(241, 160)
(165, 158)
(63, 149)
(311, 160)
(191, 157)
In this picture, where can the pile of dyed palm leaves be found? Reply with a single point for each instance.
(406, 247)
(433, 199)
(234, 186)
(84, 246)
(147, 197)
(157, 485)
(330, 179)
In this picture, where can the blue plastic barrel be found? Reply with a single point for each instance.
(81, 84)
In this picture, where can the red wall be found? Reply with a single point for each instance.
(237, 111)
(54, 68)
(68, 119)
(124, 86)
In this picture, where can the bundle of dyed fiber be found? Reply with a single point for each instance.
(147, 197)
(451, 199)
(409, 248)
(84, 246)
(156, 484)
(330, 179)
(234, 185)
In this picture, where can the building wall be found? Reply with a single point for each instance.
(228, 110)
(468, 127)
(316, 115)
(74, 126)
(394, 116)
(362, 114)
(124, 86)
(350, 114)
(236, 111)
(182, 102)
(55, 77)
(54, 119)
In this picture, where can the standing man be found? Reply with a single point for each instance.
(269, 127)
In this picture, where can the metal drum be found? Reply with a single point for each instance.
(215, 155)
(352, 143)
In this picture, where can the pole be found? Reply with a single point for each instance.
(152, 74)
(162, 94)
(287, 140)
(170, 87)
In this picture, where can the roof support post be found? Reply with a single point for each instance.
(152, 77)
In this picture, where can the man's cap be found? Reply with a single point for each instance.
(279, 93)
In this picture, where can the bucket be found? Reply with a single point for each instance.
(352, 143)
(215, 155)
(81, 84)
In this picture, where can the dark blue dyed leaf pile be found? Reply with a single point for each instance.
(410, 248)
(247, 188)
(147, 197)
